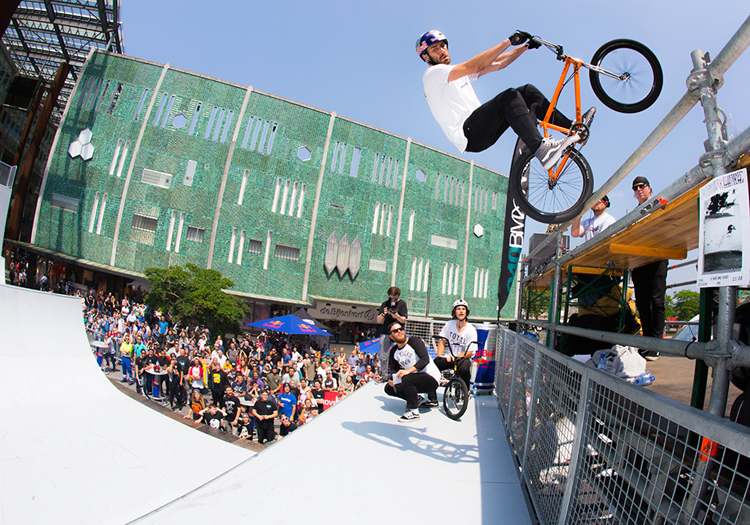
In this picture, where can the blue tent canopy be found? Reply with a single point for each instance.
(288, 324)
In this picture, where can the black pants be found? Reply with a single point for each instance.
(265, 430)
(411, 385)
(650, 283)
(463, 367)
(518, 109)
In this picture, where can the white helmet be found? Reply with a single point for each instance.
(457, 303)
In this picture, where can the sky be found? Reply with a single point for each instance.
(359, 60)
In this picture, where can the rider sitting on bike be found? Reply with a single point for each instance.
(459, 334)
(474, 127)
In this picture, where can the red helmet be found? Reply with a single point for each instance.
(427, 39)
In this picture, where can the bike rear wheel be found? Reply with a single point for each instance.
(644, 84)
(550, 201)
(455, 398)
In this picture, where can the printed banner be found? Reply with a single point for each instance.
(515, 221)
(724, 238)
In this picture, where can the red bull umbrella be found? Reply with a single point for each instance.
(288, 324)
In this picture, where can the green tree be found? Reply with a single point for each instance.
(195, 296)
(669, 310)
(686, 304)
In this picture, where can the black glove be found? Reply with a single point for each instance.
(533, 44)
(518, 38)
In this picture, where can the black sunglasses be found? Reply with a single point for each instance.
(637, 187)
(397, 330)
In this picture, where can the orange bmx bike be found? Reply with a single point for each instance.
(627, 77)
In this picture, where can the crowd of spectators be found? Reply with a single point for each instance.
(248, 385)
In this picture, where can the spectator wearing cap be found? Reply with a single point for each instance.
(649, 283)
(592, 226)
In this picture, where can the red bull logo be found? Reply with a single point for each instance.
(273, 324)
(307, 328)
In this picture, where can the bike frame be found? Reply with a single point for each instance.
(576, 64)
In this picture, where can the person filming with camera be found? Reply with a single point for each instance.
(392, 310)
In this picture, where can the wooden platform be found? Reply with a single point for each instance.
(668, 233)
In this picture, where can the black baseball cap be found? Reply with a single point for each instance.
(605, 200)
(641, 180)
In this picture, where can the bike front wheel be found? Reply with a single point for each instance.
(455, 398)
(547, 200)
(640, 68)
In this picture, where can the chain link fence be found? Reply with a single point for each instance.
(592, 448)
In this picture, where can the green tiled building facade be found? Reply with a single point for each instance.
(154, 166)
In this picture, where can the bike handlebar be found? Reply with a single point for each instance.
(450, 346)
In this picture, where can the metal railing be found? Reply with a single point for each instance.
(594, 448)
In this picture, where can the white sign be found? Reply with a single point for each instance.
(724, 232)
(344, 312)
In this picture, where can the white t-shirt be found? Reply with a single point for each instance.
(596, 225)
(450, 102)
(459, 340)
(407, 357)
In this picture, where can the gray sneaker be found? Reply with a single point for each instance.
(550, 151)
(588, 117)
(431, 403)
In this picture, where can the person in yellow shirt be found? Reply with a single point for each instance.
(126, 353)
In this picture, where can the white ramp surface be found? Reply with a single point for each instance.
(356, 463)
(73, 448)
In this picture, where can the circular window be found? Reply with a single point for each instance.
(179, 120)
(420, 175)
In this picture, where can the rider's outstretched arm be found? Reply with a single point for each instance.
(477, 64)
(504, 60)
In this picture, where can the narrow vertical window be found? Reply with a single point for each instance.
(271, 139)
(455, 283)
(395, 174)
(334, 155)
(226, 126)
(382, 219)
(284, 197)
(390, 219)
(258, 125)
(486, 198)
(476, 281)
(420, 269)
(210, 122)
(217, 128)
(249, 127)
(276, 195)
(195, 118)
(388, 172)
(115, 96)
(101, 214)
(168, 112)
(114, 157)
(103, 94)
(413, 273)
(494, 200)
(375, 218)
(301, 200)
(93, 212)
(232, 241)
(450, 280)
(263, 137)
(179, 233)
(342, 156)
(445, 278)
(375, 168)
(122, 158)
(437, 186)
(426, 277)
(383, 160)
(410, 235)
(355, 162)
(241, 246)
(486, 282)
(161, 108)
(140, 105)
(243, 185)
(446, 183)
(84, 91)
(170, 233)
(293, 197)
(269, 237)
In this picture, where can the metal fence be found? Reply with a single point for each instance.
(592, 448)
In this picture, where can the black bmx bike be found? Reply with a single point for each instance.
(455, 391)
(627, 77)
